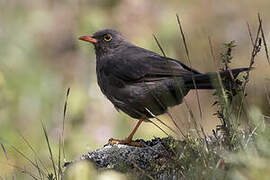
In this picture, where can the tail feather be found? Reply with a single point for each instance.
(205, 81)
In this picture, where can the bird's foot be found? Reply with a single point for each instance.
(127, 141)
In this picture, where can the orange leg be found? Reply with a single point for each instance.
(128, 140)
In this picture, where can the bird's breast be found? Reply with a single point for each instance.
(109, 84)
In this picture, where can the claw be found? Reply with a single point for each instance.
(128, 140)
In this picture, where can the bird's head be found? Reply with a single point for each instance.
(105, 41)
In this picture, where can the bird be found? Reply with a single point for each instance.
(142, 83)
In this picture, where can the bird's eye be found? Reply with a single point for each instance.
(107, 37)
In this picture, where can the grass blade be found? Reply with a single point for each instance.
(263, 37)
(49, 148)
(63, 124)
(35, 153)
(171, 117)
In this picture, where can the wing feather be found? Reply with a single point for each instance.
(140, 65)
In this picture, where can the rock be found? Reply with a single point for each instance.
(149, 162)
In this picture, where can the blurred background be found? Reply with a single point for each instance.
(40, 57)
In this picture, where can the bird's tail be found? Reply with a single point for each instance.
(209, 80)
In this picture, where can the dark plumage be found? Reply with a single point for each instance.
(137, 80)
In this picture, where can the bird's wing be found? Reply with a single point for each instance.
(140, 65)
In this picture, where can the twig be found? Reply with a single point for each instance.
(41, 176)
(183, 37)
(255, 51)
(22, 170)
(7, 157)
(49, 147)
(158, 127)
(59, 159)
(159, 120)
(250, 35)
(63, 124)
(164, 108)
(188, 57)
(35, 153)
(264, 41)
(161, 49)
(160, 103)
(6, 154)
(176, 125)
(25, 157)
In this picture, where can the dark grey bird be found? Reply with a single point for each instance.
(140, 82)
